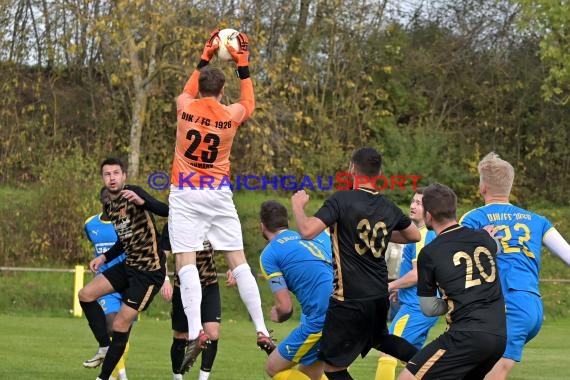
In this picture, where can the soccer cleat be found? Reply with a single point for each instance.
(96, 360)
(193, 349)
(265, 342)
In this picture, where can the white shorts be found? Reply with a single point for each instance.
(198, 215)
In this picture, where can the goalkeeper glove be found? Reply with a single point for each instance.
(210, 48)
(241, 56)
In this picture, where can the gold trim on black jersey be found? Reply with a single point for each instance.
(373, 192)
(339, 289)
(452, 228)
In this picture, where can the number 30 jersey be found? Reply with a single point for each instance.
(460, 262)
(205, 133)
(521, 234)
(361, 224)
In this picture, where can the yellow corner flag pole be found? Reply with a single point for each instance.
(78, 284)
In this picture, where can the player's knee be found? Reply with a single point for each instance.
(235, 259)
(270, 368)
(84, 296)
(406, 375)
(505, 365)
(183, 259)
(122, 322)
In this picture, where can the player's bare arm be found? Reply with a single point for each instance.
(148, 202)
(132, 197)
(410, 234)
(406, 281)
(308, 227)
(283, 308)
(96, 263)
(166, 289)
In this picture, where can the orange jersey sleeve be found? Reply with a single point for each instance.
(191, 87)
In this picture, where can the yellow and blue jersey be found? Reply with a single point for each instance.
(306, 266)
(409, 256)
(521, 233)
(102, 235)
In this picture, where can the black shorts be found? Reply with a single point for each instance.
(467, 355)
(211, 307)
(352, 329)
(137, 288)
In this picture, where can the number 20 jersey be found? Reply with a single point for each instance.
(521, 234)
(361, 224)
(460, 262)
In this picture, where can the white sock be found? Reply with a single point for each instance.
(204, 375)
(103, 350)
(191, 294)
(177, 376)
(249, 293)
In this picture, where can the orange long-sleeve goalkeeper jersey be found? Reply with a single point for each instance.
(205, 133)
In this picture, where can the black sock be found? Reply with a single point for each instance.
(177, 350)
(116, 350)
(96, 318)
(397, 347)
(339, 375)
(208, 356)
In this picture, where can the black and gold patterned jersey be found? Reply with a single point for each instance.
(206, 266)
(136, 230)
(361, 224)
(460, 263)
(204, 260)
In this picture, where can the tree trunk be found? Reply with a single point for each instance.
(137, 123)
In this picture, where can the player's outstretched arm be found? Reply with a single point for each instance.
(308, 227)
(247, 97)
(557, 245)
(191, 88)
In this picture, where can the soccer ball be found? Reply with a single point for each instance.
(227, 36)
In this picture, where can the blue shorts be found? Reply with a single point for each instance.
(412, 325)
(303, 343)
(111, 303)
(524, 320)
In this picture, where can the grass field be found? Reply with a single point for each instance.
(41, 341)
(51, 348)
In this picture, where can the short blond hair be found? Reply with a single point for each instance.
(497, 174)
